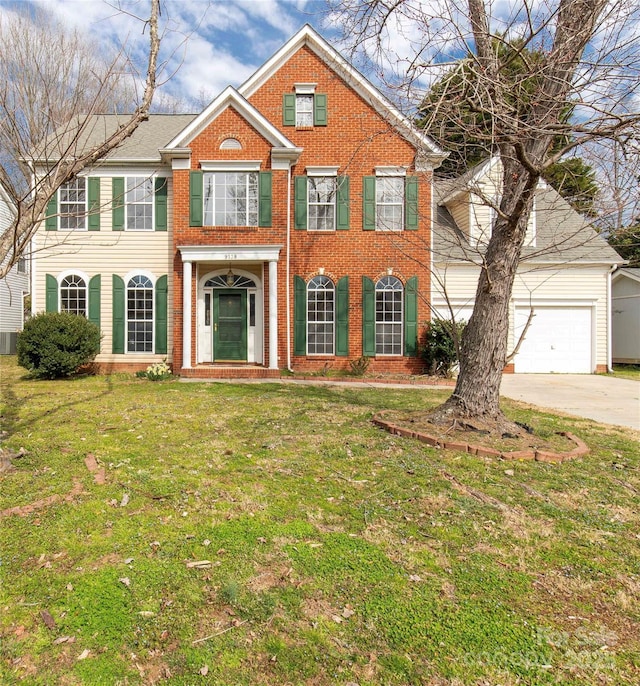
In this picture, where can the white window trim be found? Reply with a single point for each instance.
(335, 206)
(333, 322)
(146, 177)
(322, 171)
(85, 214)
(305, 88)
(230, 165)
(401, 203)
(386, 170)
(73, 272)
(226, 170)
(400, 323)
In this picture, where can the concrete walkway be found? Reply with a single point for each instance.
(603, 398)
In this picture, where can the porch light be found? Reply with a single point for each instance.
(230, 278)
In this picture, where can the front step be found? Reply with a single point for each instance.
(229, 372)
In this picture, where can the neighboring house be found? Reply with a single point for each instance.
(14, 287)
(270, 231)
(565, 274)
(625, 291)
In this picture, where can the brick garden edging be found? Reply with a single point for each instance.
(538, 455)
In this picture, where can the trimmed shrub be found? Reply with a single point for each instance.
(437, 347)
(56, 344)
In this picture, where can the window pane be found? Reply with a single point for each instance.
(73, 207)
(304, 110)
(389, 322)
(73, 295)
(139, 315)
(389, 202)
(322, 203)
(231, 199)
(320, 316)
(139, 203)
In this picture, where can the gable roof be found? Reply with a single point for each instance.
(562, 234)
(632, 273)
(309, 37)
(230, 97)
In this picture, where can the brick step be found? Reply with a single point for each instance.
(230, 372)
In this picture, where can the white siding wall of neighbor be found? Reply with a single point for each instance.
(13, 288)
(625, 317)
(108, 252)
(573, 289)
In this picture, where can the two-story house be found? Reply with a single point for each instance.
(270, 231)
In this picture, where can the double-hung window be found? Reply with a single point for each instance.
(389, 316)
(139, 203)
(140, 314)
(390, 203)
(320, 316)
(230, 198)
(322, 203)
(73, 204)
(304, 110)
(73, 295)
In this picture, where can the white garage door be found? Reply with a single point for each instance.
(558, 340)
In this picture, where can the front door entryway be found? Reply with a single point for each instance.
(229, 324)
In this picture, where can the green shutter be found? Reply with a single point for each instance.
(94, 299)
(264, 205)
(161, 315)
(299, 316)
(343, 203)
(160, 199)
(368, 317)
(196, 200)
(369, 203)
(117, 203)
(319, 109)
(51, 293)
(300, 205)
(411, 203)
(93, 221)
(289, 109)
(411, 317)
(118, 315)
(51, 214)
(342, 317)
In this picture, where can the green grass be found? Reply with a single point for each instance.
(627, 371)
(338, 553)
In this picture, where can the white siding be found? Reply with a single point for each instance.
(12, 287)
(548, 286)
(108, 252)
(625, 316)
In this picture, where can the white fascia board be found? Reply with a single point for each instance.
(230, 165)
(333, 59)
(230, 253)
(317, 170)
(230, 97)
(621, 272)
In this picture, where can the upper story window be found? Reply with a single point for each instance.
(22, 265)
(322, 203)
(139, 203)
(73, 295)
(73, 204)
(390, 200)
(390, 203)
(230, 198)
(304, 108)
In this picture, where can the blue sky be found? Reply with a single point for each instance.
(208, 44)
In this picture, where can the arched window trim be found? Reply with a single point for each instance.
(140, 313)
(389, 315)
(62, 297)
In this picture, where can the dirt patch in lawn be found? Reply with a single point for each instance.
(526, 445)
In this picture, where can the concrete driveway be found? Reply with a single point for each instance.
(603, 398)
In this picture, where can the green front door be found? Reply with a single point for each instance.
(229, 324)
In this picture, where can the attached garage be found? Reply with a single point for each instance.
(559, 339)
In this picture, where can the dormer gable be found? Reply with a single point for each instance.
(473, 200)
(283, 151)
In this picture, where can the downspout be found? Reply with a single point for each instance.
(288, 269)
(609, 319)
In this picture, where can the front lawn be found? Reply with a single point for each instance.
(270, 534)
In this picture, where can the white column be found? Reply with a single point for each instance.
(273, 315)
(186, 315)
